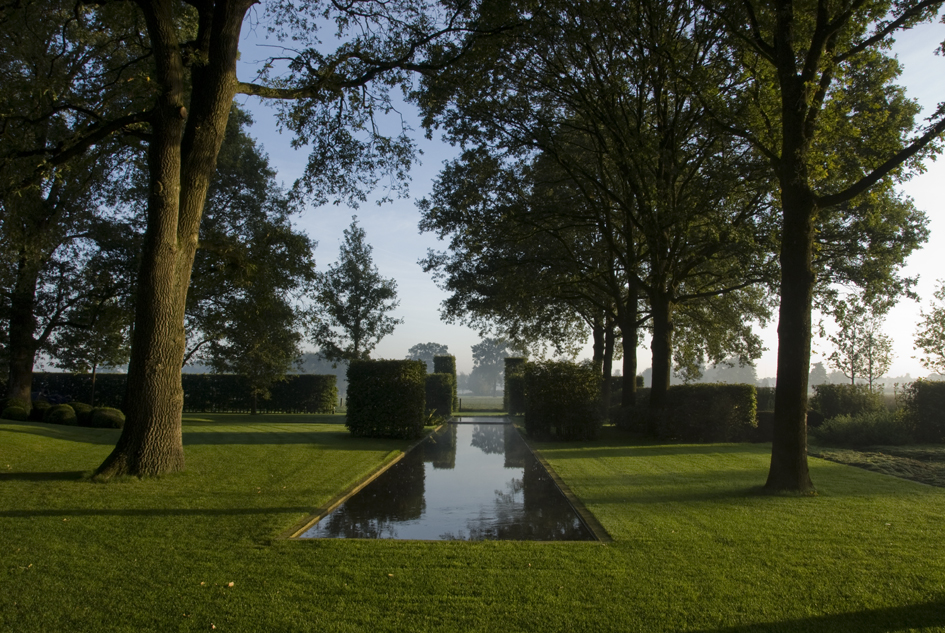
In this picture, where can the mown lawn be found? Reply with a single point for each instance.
(696, 546)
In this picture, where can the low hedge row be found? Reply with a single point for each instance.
(299, 393)
(386, 398)
(562, 400)
(833, 400)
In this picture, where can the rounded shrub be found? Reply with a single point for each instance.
(61, 414)
(15, 402)
(107, 418)
(18, 414)
(83, 412)
(38, 412)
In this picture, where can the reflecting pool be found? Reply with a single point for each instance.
(472, 481)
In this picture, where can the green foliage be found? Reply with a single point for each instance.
(106, 418)
(447, 365)
(514, 392)
(930, 335)
(352, 301)
(83, 412)
(711, 412)
(923, 405)
(15, 413)
(386, 398)
(15, 402)
(427, 352)
(61, 414)
(39, 410)
(697, 413)
(873, 428)
(834, 400)
(562, 400)
(439, 394)
(861, 349)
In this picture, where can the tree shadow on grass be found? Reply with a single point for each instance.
(342, 441)
(930, 615)
(69, 433)
(43, 476)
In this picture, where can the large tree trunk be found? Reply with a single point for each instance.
(182, 159)
(789, 470)
(22, 341)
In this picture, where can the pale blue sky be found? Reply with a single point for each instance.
(398, 244)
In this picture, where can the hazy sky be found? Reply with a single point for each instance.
(392, 228)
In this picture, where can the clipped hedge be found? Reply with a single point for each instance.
(439, 394)
(711, 412)
(923, 404)
(873, 428)
(513, 398)
(562, 400)
(61, 414)
(386, 398)
(834, 400)
(83, 412)
(6, 403)
(697, 413)
(38, 412)
(447, 365)
(299, 393)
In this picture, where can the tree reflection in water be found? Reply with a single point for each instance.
(467, 482)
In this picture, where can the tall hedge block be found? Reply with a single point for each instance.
(439, 390)
(514, 393)
(711, 412)
(923, 403)
(386, 398)
(562, 400)
(447, 365)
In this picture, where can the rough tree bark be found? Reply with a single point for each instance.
(182, 158)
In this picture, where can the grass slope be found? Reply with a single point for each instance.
(696, 547)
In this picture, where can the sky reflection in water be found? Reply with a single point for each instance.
(473, 481)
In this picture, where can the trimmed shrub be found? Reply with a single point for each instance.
(304, 393)
(562, 400)
(764, 396)
(447, 365)
(15, 402)
(711, 412)
(106, 418)
(439, 394)
(61, 414)
(866, 429)
(39, 409)
(513, 398)
(83, 412)
(923, 405)
(386, 398)
(834, 400)
(19, 414)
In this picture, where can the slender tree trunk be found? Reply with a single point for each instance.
(627, 313)
(608, 361)
(662, 349)
(182, 159)
(94, 369)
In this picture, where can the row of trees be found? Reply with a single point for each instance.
(663, 161)
(682, 167)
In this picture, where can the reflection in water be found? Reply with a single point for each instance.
(467, 482)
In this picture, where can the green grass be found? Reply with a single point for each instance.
(696, 546)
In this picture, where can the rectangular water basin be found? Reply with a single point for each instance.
(475, 480)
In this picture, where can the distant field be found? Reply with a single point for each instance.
(480, 403)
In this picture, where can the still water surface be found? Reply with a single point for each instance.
(473, 481)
